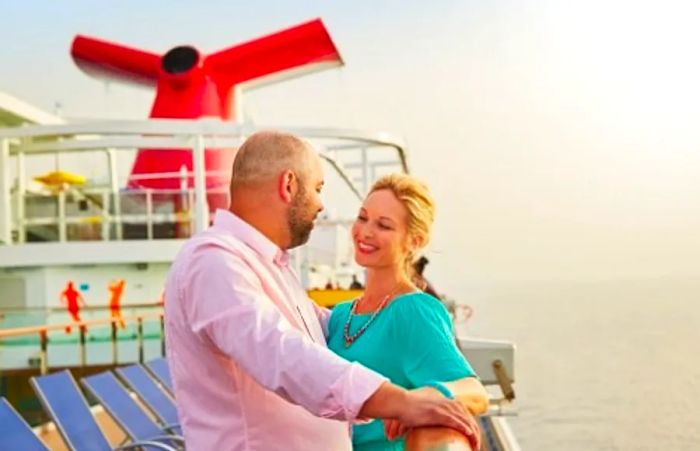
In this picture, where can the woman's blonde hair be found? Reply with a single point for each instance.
(420, 205)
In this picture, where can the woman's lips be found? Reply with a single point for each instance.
(365, 248)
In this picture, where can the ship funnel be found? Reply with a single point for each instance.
(190, 85)
(180, 60)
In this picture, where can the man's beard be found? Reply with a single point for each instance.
(299, 226)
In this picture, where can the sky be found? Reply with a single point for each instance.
(561, 140)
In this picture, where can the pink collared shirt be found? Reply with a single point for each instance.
(247, 349)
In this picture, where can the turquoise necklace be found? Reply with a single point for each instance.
(350, 339)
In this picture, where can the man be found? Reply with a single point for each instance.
(246, 347)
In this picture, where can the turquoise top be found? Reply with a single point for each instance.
(411, 342)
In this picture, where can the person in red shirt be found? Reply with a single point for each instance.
(116, 289)
(73, 301)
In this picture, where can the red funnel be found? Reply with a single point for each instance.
(190, 85)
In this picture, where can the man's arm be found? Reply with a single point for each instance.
(228, 307)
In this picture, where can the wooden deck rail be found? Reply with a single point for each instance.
(82, 327)
(62, 309)
(447, 439)
(31, 330)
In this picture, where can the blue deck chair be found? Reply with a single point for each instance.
(117, 401)
(161, 404)
(159, 368)
(66, 406)
(15, 433)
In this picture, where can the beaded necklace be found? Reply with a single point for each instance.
(350, 339)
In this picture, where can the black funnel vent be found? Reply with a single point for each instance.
(180, 59)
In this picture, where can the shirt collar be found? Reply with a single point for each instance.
(269, 251)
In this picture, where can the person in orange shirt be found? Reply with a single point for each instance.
(73, 301)
(116, 289)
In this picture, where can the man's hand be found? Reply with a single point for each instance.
(428, 407)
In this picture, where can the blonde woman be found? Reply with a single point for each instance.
(395, 328)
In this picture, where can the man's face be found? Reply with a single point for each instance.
(306, 205)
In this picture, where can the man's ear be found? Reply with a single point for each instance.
(287, 186)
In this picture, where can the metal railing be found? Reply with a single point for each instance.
(42, 332)
(130, 214)
(355, 157)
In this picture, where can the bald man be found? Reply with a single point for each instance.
(246, 346)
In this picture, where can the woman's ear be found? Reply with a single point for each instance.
(416, 243)
(287, 186)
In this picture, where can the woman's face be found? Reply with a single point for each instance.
(380, 232)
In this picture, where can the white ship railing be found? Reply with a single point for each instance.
(356, 157)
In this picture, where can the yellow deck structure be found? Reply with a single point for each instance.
(329, 298)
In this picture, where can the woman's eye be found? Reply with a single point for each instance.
(361, 218)
(384, 226)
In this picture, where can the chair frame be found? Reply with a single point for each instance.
(20, 420)
(167, 384)
(109, 408)
(48, 408)
(172, 427)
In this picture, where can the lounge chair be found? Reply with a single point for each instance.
(66, 406)
(15, 433)
(159, 368)
(161, 404)
(117, 401)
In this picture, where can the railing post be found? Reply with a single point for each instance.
(5, 198)
(114, 188)
(43, 353)
(149, 213)
(139, 337)
(200, 191)
(503, 380)
(190, 212)
(115, 357)
(365, 171)
(106, 222)
(83, 350)
(62, 235)
(21, 194)
(162, 335)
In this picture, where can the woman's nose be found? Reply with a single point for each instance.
(366, 233)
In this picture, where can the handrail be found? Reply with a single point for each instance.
(473, 398)
(82, 326)
(87, 308)
(436, 438)
(110, 137)
(31, 330)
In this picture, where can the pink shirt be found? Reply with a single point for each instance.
(247, 349)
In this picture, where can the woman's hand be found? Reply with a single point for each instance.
(428, 407)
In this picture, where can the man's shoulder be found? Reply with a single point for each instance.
(212, 242)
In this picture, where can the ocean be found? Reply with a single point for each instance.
(602, 365)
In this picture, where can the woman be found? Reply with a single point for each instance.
(394, 328)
